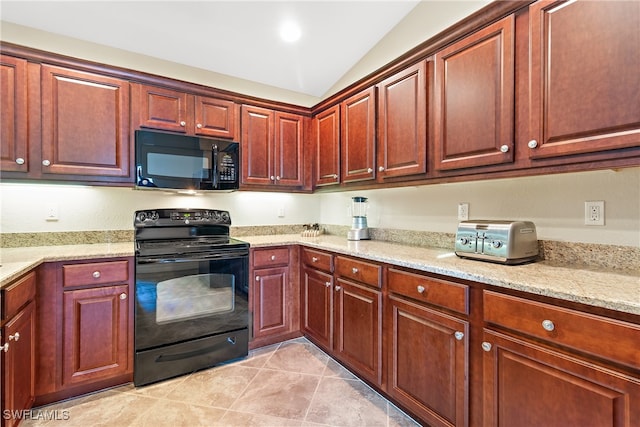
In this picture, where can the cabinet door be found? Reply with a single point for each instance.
(428, 363)
(271, 300)
(359, 136)
(85, 123)
(18, 365)
(95, 331)
(289, 149)
(358, 328)
(474, 99)
(528, 385)
(402, 123)
(161, 108)
(13, 114)
(257, 145)
(317, 306)
(215, 117)
(327, 139)
(585, 78)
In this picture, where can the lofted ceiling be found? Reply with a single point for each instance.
(236, 38)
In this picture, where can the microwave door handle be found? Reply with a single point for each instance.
(214, 171)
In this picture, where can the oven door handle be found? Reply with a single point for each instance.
(177, 259)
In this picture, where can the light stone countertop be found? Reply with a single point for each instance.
(615, 291)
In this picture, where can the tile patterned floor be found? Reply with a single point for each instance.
(288, 384)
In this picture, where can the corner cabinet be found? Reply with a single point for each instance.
(358, 136)
(474, 96)
(14, 149)
(584, 77)
(272, 148)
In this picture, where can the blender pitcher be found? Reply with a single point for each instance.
(359, 229)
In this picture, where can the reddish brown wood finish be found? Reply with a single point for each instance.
(526, 384)
(317, 306)
(95, 273)
(358, 136)
(317, 260)
(85, 123)
(289, 149)
(359, 270)
(162, 108)
(585, 83)
(216, 117)
(428, 366)
(17, 294)
(272, 298)
(14, 155)
(474, 99)
(402, 123)
(270, 257)
(326, 127)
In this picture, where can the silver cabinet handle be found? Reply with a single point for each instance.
(532, 144)
(335, 176)
(504, 148)
(199, 125)
(369, 170)
(20, 161)
(15, 336)
(548, 325)
(96, 274)
(46, 163)
(459, 335)
(338, 288)
(420, 289)
(381, 168)
(354, 270)
(277, 178)
(183, 123)
(327, 284)
(123, 296)
(5, 347)
(257, 278)
(486, 346)
(273, 178)
(314, 259)
(273, 257)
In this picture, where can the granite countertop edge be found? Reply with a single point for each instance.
(605, 289)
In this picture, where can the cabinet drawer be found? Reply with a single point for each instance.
(18, 294)
(453, 296)
(95, 273)
(270, 257)
(318, 260)
(362, 271)
(596, 335)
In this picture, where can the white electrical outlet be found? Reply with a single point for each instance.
(281, 212)
(463, 211)
(594, 212)
(51, 212)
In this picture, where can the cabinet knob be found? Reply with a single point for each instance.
(314, 259)
(459, 335)
(199, 125)
(277, 178)
(273, 257)
(5, 347)
(486, 346)
(369, 170)
(420, 289)
(381, 168)
(338, 288)
(20, 161)
(46, 163)
(335, 176)
(96, 274)
(183, 123)
(123, 296)
(354, 270)
(327, 284)
(548, 325)
(15, 336)
(273, 178)
(532, 144)
(257, 278)
(504, 148)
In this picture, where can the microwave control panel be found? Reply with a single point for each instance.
(227, 168)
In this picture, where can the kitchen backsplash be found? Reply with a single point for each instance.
(625, 259)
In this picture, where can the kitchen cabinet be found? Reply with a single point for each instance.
(584, 79)
(274, 296)
(474, 94)
(326, 126)
(550, 366)
(172, 110)
(428, 347)
(85, 330)
(14, 153)
(402, 123)
(358, 136)
(272, 148)
(317, 297)
(18, 348)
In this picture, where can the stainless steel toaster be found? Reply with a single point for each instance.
(505, 242)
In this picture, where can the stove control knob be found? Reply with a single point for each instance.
(155, 216)
(142, 216)
(464, 241)
(497, 244)
(225, 216)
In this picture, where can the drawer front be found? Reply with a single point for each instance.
(453, 296)
(318, 260)
(95, 273)
(596, 335)
(270, 257)
(18, 294)
(358, 270)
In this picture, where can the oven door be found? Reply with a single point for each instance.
(183, 298)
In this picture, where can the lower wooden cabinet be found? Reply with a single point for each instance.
(317, 307)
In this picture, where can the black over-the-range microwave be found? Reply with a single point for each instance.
(180, 162)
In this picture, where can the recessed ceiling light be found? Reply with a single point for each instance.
(290, 32)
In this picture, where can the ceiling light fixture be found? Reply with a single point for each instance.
(290, 32)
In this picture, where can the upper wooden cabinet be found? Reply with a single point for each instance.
(13, 114)
(326, 133)
(402, 123)
(272, 147)
(474, 99)
(584, 77)
(358, 141)
(172, 110)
